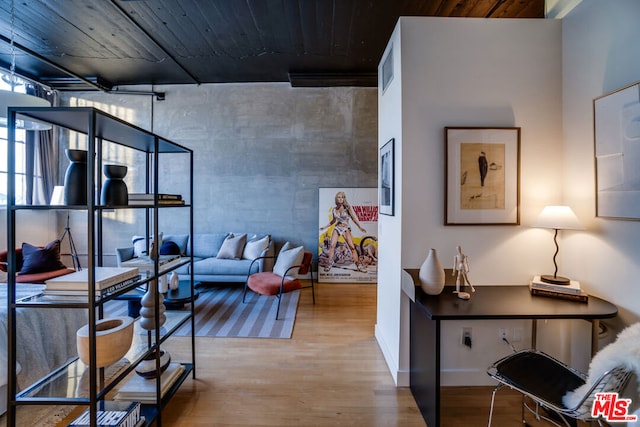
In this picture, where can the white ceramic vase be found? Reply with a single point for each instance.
(174, 282)
(432, 274)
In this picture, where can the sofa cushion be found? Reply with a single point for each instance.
(254, 248)
(169, 248)
(217, 266)
(232, 247)
(139, 246)
(40, 260)
(207, 245)
(179, 239)
(287, 258)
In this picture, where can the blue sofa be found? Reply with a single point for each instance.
(210, 264)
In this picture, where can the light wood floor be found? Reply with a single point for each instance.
(331, 373)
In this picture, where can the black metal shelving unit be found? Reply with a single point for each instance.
(54, 389)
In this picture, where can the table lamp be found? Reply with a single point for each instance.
(557, 218)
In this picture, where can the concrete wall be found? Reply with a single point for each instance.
(261, 152)
(467, 72)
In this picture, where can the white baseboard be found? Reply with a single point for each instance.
(392, 364)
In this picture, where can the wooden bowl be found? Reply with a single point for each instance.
(113, 339)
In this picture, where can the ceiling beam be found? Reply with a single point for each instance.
(154, 41)
(333, 79)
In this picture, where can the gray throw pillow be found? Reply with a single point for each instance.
(254, 248)
(288, 258)
(232, 247)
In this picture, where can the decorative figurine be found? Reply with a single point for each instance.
(461, 270)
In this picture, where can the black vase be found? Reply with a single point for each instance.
(114, 190)
(75, 178)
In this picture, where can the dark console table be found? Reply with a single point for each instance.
(488, 302)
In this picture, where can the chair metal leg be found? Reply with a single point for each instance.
(244, 294)
(313, 289)
(279, 300)
(493, 397)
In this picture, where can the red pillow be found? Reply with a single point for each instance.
(40, 260)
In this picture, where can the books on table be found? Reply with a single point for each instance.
(572, 288)
(111, 413)
(572, 291)
(140, 389)
(107, 280)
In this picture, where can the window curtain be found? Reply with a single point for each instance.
(42, 158)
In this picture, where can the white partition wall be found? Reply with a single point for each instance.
(465, 72)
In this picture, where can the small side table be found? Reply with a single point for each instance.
(173, 299)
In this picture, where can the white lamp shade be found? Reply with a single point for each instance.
(17, 99)
(559, 218)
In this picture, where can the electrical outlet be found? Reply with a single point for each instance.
(503, 333)
(464, 333)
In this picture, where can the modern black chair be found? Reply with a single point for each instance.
(546, 380)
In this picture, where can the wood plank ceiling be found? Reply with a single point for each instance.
(102, 44)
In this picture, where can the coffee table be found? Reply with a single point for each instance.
(173, 299)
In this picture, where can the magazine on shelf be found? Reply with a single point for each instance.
(105, 277)
(572, 288)
(143, 390)
(146, 261)
(111, 413)
(160, 202)
(145, 264)
(150, 196)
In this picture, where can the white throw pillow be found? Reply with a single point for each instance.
(288, 258)
(254, 248)
(232, 247)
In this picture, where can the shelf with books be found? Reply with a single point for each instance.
(98, 132)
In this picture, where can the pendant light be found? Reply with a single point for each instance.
(17, 99)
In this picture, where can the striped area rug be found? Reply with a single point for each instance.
(219, 312)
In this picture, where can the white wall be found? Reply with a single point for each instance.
(388, 323)
(601, 53)
(467, 72)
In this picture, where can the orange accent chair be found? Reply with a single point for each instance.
(271, 284)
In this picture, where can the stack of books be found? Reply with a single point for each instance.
(140, 389)
(147, 199)
(107, 279)
(112, 413)
(572, 291)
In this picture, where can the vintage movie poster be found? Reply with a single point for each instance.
(348, 235)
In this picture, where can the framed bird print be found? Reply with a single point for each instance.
(482, 176)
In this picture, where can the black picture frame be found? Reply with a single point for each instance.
(386, 188)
